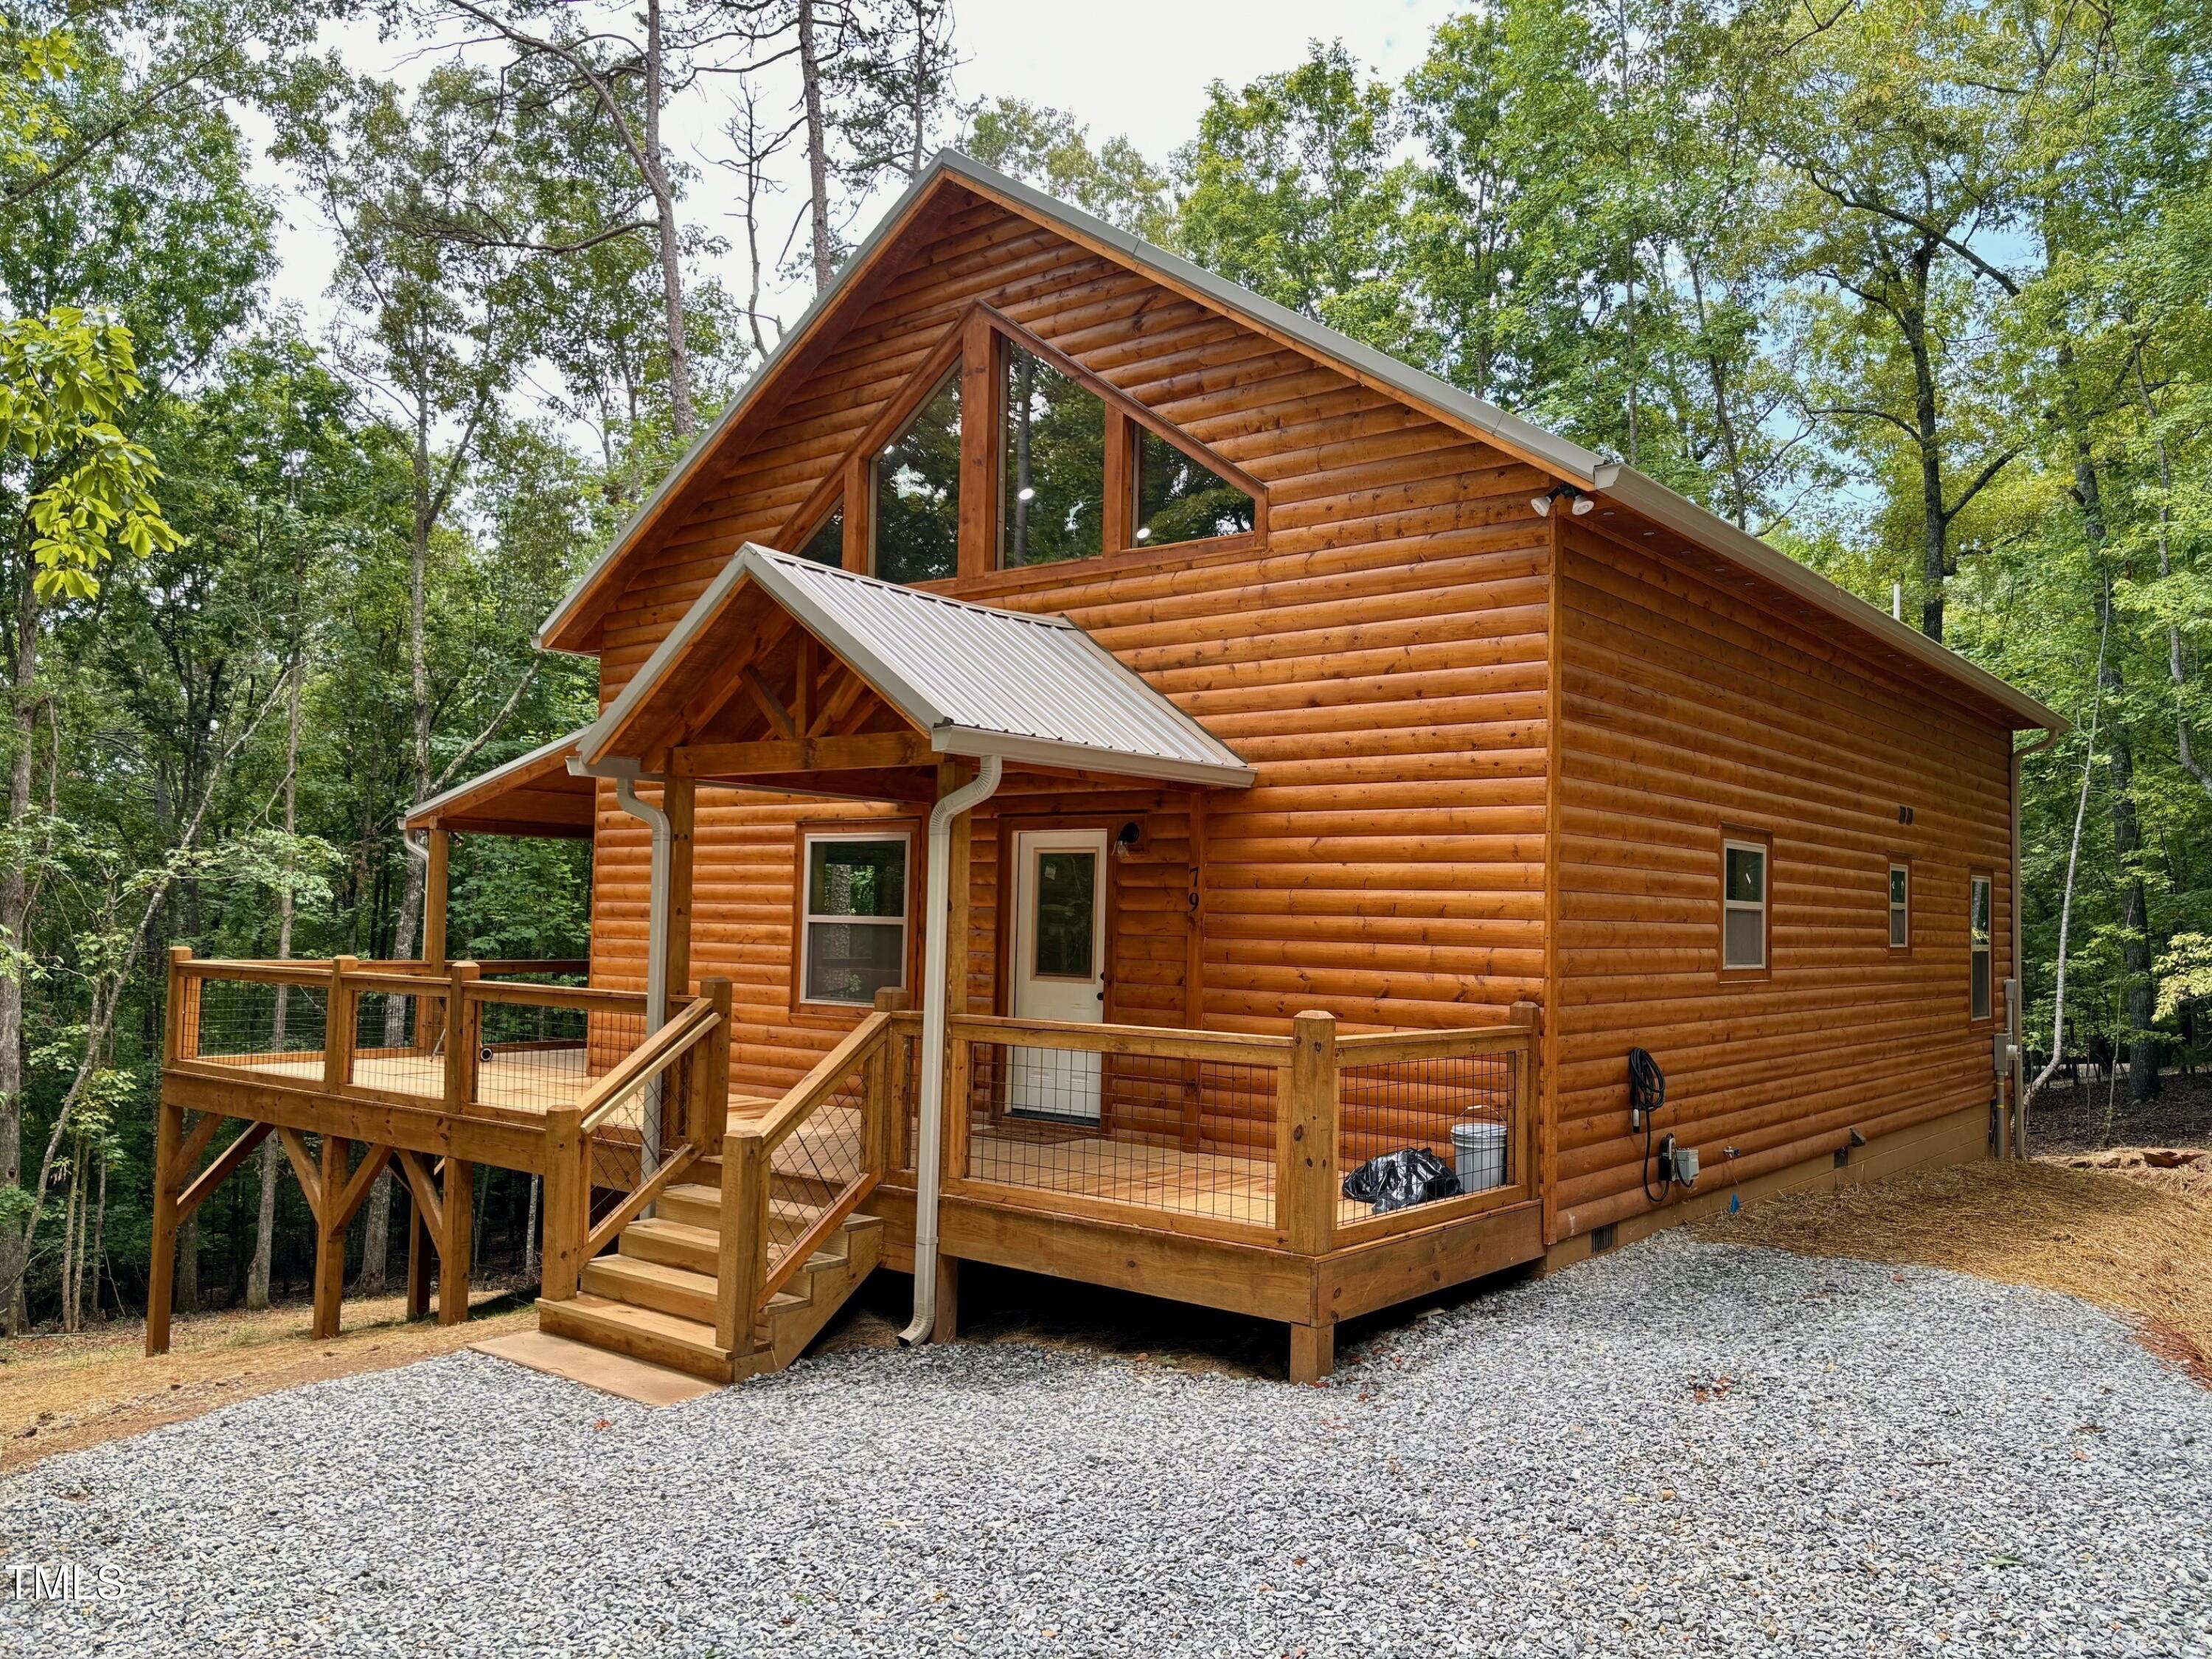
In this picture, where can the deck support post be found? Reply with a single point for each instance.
(1313, 1352)
(161, 1269)
(459, 1208)
(330, 1237)
(948, 1299)
(436, 881)
(419, 1257)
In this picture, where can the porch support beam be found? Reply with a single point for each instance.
(868, 751)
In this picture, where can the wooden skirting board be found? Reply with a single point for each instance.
(1960, 1137)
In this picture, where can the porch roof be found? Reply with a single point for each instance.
(974, 680)
(532, 794)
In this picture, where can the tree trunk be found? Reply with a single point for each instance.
(188, 1266)
(14, 927)
(264, 1230)
(2127, 825)
(664, 203)
(1935, 522)
(818, 143)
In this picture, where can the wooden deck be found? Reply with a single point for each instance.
(531, 1080)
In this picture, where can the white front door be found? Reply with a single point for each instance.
(1059, 967)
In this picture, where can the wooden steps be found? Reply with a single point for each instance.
(654, 1298)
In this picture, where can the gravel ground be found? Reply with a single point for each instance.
(1682, 1447)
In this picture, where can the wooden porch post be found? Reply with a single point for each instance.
(679, 800)
(952, 774)
(1306, 1185)
(710, 1092)
(566, 1203)
(434, 890)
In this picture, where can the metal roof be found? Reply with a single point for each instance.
(977, 680)
(1560, 456)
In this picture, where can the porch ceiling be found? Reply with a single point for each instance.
(783, 670)
(532, 794)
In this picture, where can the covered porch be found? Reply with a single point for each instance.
(1007, 1085)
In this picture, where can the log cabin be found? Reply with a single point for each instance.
(1100, 775)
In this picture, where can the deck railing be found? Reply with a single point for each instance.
(610, 1155)
(1246, 1137)
(792, 1174)
(502, 1039)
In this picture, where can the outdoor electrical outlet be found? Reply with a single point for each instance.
(1686, 1163)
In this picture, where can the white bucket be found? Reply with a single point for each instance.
(1478, 1149)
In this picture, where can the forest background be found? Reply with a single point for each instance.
(1920, 290)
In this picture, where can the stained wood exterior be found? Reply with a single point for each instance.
(1496, 750)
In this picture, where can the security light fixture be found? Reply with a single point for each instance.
(1577, 503)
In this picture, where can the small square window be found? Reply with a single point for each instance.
(855, 917)
(1743, 905)
(1900, 907)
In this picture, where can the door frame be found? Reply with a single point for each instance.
(1003, 926)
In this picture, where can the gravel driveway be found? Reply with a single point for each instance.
(1679, 1448)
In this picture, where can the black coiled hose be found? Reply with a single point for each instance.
(1647, 1093)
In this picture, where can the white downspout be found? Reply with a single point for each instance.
(656, 934)
(937, 956)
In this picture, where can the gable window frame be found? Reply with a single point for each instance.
(1899, 896)
(813, 833)
(1738, 838)
(1981, 931)
(969, 346)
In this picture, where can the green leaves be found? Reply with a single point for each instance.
(64, 378)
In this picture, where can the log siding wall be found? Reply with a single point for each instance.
(1381, 662)
(1684, 709)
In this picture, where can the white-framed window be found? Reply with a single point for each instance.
(1743, 904)
(1900, 907)
(853, 915)
(1977, 946)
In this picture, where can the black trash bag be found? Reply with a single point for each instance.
(1395, 1181)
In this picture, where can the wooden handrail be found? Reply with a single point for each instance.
(809, 1093)
(637, 1068)
(1163, 1042)
(585, 996)
(1382, 1047)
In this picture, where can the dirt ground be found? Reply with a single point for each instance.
(61, 1393)
(2099, 1116)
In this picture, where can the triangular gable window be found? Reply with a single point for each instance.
(1180, 501)
(827, 545)
(917, 481)
(1051, 465)
(1070, 466)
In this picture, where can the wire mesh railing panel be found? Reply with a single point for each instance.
(533, 1056)
(1458, 1109)
(1196, 1137)
(638, 1133)
(812, 1167)
(269, 1027)
(400, 1041)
